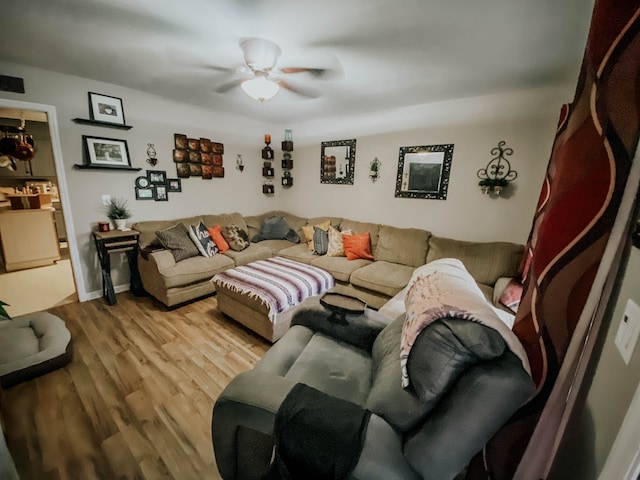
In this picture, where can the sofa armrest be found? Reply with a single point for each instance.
(250, 401)
(481, 401)
(163, 259)
(360, 330)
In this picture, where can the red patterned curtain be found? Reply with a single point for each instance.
(563, 268)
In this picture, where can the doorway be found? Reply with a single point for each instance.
(39, 287)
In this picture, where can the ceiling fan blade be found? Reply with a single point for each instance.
(304, 91)
(225, 87)
(316, 72)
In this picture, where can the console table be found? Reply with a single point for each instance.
(113, 242)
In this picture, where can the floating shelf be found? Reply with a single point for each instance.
(98, 123)
(97, 167)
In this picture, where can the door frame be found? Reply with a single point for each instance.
(63, 190)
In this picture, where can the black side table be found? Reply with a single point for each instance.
(113, 242)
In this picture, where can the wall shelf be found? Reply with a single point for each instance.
(98, 123)
(96, 167)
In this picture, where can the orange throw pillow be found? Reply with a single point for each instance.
(216, 234)
(357, 246)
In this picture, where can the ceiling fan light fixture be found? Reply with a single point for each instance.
(260, 88)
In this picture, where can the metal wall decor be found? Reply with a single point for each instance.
(337, 161)
(151, 155)
(423, 171)
(374, 169)
(498, 173)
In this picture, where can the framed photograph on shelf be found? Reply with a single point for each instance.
(106, 152)
(423, 172)
(160, 193)
(157, 177)
(144, 193)
(105, 108)
(174, 184)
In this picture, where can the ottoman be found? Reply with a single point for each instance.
(263, 295)
(32, 345)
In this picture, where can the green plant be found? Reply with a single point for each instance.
(493, 182)
(117, 209)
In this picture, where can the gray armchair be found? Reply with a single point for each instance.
(466, 385)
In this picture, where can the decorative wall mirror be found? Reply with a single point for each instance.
(423, 172)
(337, 161)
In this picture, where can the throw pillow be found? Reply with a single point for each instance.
(320, 241)
(275, 228)
(177, 240)
(511, 295)
(237, 238)
(216, 235)
(308, 232)
(202, 239)
(357, 246)
(336, 245)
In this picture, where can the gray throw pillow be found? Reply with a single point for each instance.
(177, 240)
(320, 241)
(275, 228)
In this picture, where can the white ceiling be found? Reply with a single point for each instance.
(386, 54)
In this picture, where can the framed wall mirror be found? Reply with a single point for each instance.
(423, 172)
(337, 161)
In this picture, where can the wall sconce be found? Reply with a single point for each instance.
(239, 163)
(151, 155)
(374, 169)
(497, 174)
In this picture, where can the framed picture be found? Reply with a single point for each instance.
(180, 140)
(180, 155)
(157, 177)
(337, 161)
(106, 152)
(174, 184)
(183, 170)
(160, 193)
(423, 172)
(144, 193)
(104, 108)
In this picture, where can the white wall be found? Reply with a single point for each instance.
(525, 120)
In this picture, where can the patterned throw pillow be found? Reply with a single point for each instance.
(177, 240)
(336, 245)
(308, 232)
(511, 295)
(202, 240)
(320, 241)
(237, 238)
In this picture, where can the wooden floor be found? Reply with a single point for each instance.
(136, 401)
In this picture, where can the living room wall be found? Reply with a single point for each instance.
(525, 120)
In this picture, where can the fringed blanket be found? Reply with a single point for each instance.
(445, 289)
(279, 283)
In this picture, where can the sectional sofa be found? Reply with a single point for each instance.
(397, 252)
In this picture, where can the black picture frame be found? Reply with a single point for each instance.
(337, 161)
(160, 193)
(106, 152)
(144, 193)
(423, 171)
(105, 108)
(157, 177)
(174, 185)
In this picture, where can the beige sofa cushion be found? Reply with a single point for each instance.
(339, 267)
(193, 270)
(253, 253)
(225, 219)
(383, 277)
(149, 228)
(407, 246)
(486, 262)
(299, 253)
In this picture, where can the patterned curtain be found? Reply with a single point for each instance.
(563, 267)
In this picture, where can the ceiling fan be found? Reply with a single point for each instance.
(262, 80)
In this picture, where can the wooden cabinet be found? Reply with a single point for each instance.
(29, 238)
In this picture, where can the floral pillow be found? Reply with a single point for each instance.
(336, 245)
(237, 238)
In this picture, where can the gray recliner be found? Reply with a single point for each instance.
(465, 385)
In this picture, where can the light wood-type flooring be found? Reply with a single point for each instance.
(136, 401)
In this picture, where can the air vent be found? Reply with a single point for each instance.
(11, 84)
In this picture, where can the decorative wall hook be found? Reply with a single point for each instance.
(498, 173)
(151, 155)
(374, 169)
(239, 163)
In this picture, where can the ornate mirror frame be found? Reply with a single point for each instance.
(337, 161)
(423, 172)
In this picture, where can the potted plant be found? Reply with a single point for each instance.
(3, 313)
(118, 212)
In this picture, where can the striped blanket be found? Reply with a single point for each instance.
(279, 283)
